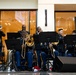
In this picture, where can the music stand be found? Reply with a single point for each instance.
(48, 37)
(13, 35)
(70, 41)
(13, 44)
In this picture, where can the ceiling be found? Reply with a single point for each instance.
(65, 7)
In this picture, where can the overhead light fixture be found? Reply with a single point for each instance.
(6, 24)
(9, 24)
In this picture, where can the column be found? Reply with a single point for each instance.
(50, 16)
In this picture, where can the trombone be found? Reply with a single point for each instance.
(23, 52)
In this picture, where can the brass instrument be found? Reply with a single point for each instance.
(29, 42)
(52, 49)
(23, 49)
(55, 43)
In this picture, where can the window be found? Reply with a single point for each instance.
(66, 21)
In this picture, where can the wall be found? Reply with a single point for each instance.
(18, 4)
(37, 4)
(50, 17)
(42, 5)
(49, 5)
(57, 1)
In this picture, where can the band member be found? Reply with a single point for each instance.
(38, 49)
(40, 53)
(61, 45)
(39, 30)
(37, 46)
(74, 32)
(53, 49)
(1, 35)
(71, 48)
(28, 52)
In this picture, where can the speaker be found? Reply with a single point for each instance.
(64, 64)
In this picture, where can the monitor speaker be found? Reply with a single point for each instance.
(64, 64)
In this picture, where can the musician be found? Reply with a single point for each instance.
(29, 52)
(61, 45)
(41, 54)
(74, 32)
(39, 30)
(70, 48)
(1, 35)
(37, 46)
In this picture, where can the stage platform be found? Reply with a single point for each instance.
(36, 73)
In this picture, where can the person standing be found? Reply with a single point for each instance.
(41, 54)
(37, 47)
(2, 34)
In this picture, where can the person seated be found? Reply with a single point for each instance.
(61, 45)
(58, 47)
(47, 52)
(28, 52)
(53, 48)
(70, 51)
(70, 48)
(74, 32)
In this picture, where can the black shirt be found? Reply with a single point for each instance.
(61, 45)
(23, 33)
(1, 34)
(60, 39)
